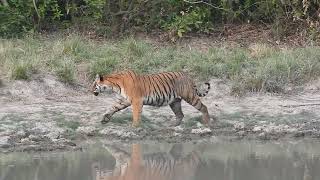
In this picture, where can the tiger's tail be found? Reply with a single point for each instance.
(206, 91)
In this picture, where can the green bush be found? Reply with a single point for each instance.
(16, 19)
(191, 20)
(108, 17)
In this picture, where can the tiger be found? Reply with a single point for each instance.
(154, 166)
(161, 89)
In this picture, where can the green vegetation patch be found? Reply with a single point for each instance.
(127, 119)
(66, 72)
(68, 124)
(259, 68)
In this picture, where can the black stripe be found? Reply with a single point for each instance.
(131, 76)
(163, 99)
(169, 92)
(165, 89)
(118, 87)
(148, 81)
(208, 84)
(174, 74)
(169, 80)
(148, 100)
(166, 81)
(156, 92)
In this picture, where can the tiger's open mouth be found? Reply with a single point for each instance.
(96, 93)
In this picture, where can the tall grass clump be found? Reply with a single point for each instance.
(103, 66)
(21, 71)
(134, 48)
(80, 48)
(66, 71)
(274, 72)
(19, 57)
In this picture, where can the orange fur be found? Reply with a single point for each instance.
(167, 88)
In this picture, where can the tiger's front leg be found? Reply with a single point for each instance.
(118, 106)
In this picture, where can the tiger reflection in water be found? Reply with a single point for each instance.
(160, 166)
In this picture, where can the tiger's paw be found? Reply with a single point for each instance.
(106, 119)
(135, 125)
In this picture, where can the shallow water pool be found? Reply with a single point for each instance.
(218, 160)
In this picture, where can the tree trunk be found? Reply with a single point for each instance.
(4, 2)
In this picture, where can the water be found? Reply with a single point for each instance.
(243, 160)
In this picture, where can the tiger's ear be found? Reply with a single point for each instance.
(99, 77)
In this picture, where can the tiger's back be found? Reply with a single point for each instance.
(163, 88)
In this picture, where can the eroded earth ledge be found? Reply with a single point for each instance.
(46, 115)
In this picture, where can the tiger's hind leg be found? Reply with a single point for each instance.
(176, 108)
(118, 106)
(196, 102)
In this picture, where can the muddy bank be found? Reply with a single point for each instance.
(45, 115)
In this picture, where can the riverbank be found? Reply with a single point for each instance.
(44, 114)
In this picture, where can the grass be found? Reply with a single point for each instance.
(22, 71)
(127, 119)
(65, 71)
(258, 68)
(68, 124)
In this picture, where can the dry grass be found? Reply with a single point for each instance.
(257, 68)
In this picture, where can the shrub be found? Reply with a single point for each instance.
(103, 66)
(21, 71)
(66, 72)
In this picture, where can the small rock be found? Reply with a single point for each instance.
(241, 133)
(257, 128)
(199, 124)
(299, 134)
(25, 141)
(45, 128)
(4, 141)
(65, 142)
(201, 131)
(89, 130)
(239, 125)
(21, 133)
(176, 134)
(262, 135)
(178, 128)
(138, 130)
(34, 138)
(53, 135)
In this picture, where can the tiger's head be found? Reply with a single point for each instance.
(100, 85)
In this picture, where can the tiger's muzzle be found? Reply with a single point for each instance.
(96, 91)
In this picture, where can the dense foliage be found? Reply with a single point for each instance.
(106, 17)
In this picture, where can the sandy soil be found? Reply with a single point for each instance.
(44, 114)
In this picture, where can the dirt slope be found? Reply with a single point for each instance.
(45, 114)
